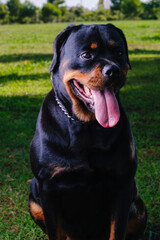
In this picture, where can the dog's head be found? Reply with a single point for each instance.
(90, 64)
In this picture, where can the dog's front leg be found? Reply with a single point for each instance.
(120, 215)
(50, 215)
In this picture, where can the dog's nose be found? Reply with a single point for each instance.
(111, 71)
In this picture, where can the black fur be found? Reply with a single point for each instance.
(84, 173)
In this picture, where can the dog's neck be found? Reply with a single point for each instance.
(61, 105)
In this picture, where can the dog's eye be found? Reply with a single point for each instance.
(86, 55)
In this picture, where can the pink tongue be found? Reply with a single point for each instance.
(106, 108)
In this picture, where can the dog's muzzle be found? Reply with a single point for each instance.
(111, 71)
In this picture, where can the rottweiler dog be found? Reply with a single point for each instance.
(83, 154)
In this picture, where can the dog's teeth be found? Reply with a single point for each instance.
(87, 91)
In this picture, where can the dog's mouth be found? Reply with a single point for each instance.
(84, 93)
(102, 102)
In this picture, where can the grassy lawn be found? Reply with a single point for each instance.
(25, 57)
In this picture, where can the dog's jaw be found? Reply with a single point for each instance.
(93, 96)
(103, 103)
(84, 93)
(90, 80)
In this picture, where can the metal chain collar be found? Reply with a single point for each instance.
(62, 106)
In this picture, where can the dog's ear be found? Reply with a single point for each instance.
(125, 41)
(58, 45)
(126, 46)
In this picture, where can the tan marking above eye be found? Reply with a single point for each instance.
(112, 43)
(93, 45)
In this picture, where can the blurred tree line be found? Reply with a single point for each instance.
(56, 11)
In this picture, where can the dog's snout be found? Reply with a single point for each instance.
(111, 71)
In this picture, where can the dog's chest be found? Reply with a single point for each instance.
(91, 135)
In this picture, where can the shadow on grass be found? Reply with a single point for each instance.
(144, 51)
(155, 38)
(29, 56)
(15, 77)
(18, 116)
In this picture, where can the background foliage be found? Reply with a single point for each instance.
(56, 11)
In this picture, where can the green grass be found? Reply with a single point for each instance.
(22, 89)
